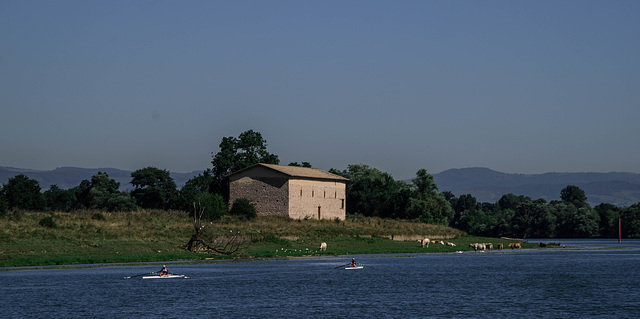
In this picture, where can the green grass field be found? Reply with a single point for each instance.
(87, 237)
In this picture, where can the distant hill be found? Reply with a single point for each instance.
(69, 177)
(486, 185)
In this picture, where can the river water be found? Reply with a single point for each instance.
(596, 279)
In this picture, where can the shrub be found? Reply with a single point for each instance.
(243, 209)
(48, 222)
(214, 206)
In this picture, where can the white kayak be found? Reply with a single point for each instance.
(356, 267)
(169, 276)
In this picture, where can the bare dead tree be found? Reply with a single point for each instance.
(206, 240)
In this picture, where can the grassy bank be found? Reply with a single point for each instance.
(38, 238)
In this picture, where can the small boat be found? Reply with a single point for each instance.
(356, 267)
(169, 276)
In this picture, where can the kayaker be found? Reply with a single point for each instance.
(164, 271)
(353, 262)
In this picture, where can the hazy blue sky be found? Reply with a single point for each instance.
(516, 86)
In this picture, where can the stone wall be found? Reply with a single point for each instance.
(268, 195)
(317, 199)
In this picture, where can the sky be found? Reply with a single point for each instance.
(516, 86)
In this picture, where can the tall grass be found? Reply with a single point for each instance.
(154, 235)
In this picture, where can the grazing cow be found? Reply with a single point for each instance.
(477, 246)
(500, 246)
(323, 246)
(543, 245)
(515, 245)
(450, 244)
(424, 242)
(489, 246)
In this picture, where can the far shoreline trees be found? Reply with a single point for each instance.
(370, 192)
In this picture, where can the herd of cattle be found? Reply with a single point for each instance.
(476, 246)
(425, 242)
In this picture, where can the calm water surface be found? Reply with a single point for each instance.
(599, 279)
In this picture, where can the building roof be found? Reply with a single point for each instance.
(300, 172)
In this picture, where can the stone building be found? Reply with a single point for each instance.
(292, 191)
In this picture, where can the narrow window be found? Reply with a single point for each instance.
(325, 194)
(301, 192)
(342, 207)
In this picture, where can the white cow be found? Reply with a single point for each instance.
(323, 246)
(515, 245)
(450, 244)
(424, 242)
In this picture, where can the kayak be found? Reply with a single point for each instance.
(169, 276)
(356, 267)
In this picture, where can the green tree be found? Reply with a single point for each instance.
(573, 194)
(303, 164)
(543, 224)
(239, 153)
(104, 194)
(631, 221)
(466, 202)
(400, 201)
(23, 193)
(369, 191)
(82, 195)
(584, 223)
(213, 206)
(564, 212)
(509, 201)
(154, 188)
(194, 187)
(202, 182)
(58, 199)
(503, 225)
(609, 215)
(432, 207)
(424, 184)
(523, 217)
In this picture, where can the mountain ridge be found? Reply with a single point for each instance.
(68, 177)
(487, 185)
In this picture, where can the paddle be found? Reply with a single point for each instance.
(151, 273)
(345, 265)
